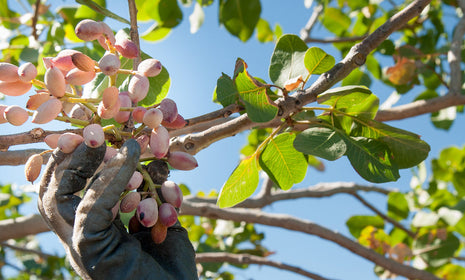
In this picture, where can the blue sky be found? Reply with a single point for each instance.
(194, 62)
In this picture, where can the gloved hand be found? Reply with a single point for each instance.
(98, 246)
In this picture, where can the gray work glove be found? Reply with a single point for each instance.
(98, 246)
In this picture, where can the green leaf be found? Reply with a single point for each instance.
(287, 61)
(317, 61)
(4, 199)
(166, 13)
(336, 21)
(356, 224)
(159, 87)
(240, 17)
(6, 13)
(101, 10)
(282, 162)
(443, 119)
(451, 272)
(84, 12)
(155, 33)
(264, 32)
(407, 148)
(357, 77)
(397, 206)
(241, 184)
(226, 92)
(196, 18)
(321, 142)
(254, 94)
(437, 252)
(371, 159)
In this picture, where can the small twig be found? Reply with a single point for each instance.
(305, 32)
(216, 257)
(35, 19)
(335, 40)
(134, 32)
(26, 250)
(383, 216)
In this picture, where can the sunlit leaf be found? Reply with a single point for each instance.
(264, 32)
(335, 20)
(241, 184)
(397, 206)
(102, 10)
(356, 224)
(258, 105)
(317, 61)
(282, 162)
(287, 61)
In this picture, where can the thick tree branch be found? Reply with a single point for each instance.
(251, 259)
(454, 56)
(20, 157)
(420, 107)
(296, 224)
(22, 226)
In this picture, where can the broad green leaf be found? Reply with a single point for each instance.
(241, 184)
(240, 17)
(335, 20)
(196, 18)
(356, 224)
(226, 92)
(282, 162)
(4, 199)
(205, 3)
(397, 206)
(84, 12)
(346, 97)
(321, 142)
(258, 106)
(159, 87)
(102, 10)
(371, 159)
(287, 61)
(438, 251)
(353, 101)
(375, 238)
(166, 13)
(155, 33)
(357, 77)
(444, 118)
(407, 148)
(317, 61)
(264, 32)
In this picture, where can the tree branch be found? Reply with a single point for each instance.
(420, 107)
(22, 226)
(193, 143)
(317, 191)
(251, 259)
(26, 250)
(384, 217)
(454, 56)
(305, 32)
(295, 224)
